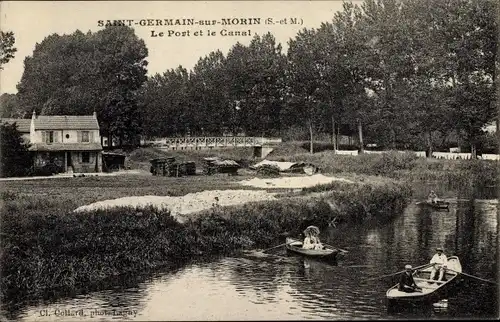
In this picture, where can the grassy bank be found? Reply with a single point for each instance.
(65, 194)
(44, 251)
(406, 166)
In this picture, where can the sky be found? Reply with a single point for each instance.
(32, 21)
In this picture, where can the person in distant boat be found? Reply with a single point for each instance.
(407, 283)
(433, 198)
(311, 241)
(439, 262)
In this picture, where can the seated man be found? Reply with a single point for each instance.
(407, 283)
(439, 262)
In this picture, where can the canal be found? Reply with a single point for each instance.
(277, 286)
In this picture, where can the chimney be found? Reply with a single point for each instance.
(95, 115)
(33, 116)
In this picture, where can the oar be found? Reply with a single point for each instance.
(478, 278)
(284, 244)
(414, 268)
(342, 250)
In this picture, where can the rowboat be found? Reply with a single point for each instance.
(432, 290)
(328, 253)
(440, 204)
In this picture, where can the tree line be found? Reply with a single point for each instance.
(399, 73)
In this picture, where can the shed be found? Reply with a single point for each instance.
(217, 165)
(113, 161)
(169, 167)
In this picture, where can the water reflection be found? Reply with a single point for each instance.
(277, 286)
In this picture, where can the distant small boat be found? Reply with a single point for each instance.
(440, 204)
(327, 253)
(432, 290)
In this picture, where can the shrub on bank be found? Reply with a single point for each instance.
(43, 252)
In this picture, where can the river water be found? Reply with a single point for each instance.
(278, 286)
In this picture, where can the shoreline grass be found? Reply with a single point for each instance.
(45, 251)
(405, 166)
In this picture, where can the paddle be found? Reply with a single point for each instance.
(388, 275)
(284, 244)
(342, 250)
(478, 278)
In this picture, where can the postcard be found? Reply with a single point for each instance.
(249, 160)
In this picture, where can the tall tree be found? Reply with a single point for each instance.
(164, 104)
(356, 65)
(208, 95)
(472, 53)
(388, 60)
(306, 74)
(81, 73)
(7, 49)
(254, 75)
(10, 106)
(267, 92)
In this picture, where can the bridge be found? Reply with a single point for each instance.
(261, 145)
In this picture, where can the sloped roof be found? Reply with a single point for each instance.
(65, 147)
(66, 122)
(23, 125)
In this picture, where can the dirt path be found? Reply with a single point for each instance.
(292, 182)
(190, 203)
(196, 202)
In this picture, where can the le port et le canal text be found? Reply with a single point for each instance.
(191, 27)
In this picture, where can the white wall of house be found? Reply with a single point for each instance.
(67, 136)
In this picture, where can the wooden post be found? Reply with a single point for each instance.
(429, 143)
(360, 133)
(473, 151)
(311, 145)
(337, 143)
(334, 139)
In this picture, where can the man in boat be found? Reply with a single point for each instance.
(407, 283)
(439, 262)
(311, 241)
(432, 198)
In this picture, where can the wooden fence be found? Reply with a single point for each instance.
(436, 155)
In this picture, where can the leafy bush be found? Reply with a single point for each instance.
(15, 158)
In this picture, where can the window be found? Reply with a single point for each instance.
(49, 136)
(85, 137)
(85, 157)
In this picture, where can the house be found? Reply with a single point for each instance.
(70, 143)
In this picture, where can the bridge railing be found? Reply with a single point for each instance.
(211, 142)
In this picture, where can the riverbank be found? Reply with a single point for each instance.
(49, 248)
(403, 166)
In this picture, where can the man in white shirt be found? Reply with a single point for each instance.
(439, 260)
